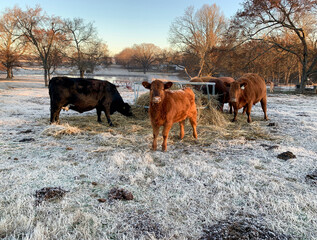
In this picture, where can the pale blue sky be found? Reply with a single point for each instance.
(122, 23)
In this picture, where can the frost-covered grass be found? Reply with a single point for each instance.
(225, 173)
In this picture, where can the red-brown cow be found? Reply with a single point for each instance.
(221, 89)
(247, 91)
(168, 107)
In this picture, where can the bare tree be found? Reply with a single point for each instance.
(12, 43)
(96, 54)
(198, 32)
(145, 54)
(42, 32)
(54, 60)
(84, 42)
(287, 24)
(125, 57)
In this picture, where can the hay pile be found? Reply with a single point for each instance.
(212, 125)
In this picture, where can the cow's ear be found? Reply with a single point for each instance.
(146, 85)
(243, 85)
(168, 85)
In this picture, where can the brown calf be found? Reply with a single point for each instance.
(168, 107)
(246, 92)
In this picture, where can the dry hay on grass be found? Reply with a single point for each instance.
(59, 130)
(213, 124)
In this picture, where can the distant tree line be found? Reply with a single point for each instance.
(28, 35)
(274, 38)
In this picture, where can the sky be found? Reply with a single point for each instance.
(123, 23)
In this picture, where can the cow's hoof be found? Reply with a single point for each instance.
(233, 120)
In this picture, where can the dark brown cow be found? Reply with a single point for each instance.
(81, 95)
(221, 89)
(246, 92)
(168, 107)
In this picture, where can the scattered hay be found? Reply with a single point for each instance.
(59, 130)
(212, 125)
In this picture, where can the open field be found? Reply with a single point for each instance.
(230, 175)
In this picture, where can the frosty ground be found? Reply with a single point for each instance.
(179, 194)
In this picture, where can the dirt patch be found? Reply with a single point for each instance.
(119, 194)
(269, 147)
(27, 140)
(286, 155)
(312, 177)
(49, 194)
(240, 229)
(144, 225)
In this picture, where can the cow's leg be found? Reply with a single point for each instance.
(156, 130)
(98, 114)
(166, 130)
(235, 113)
(193, 122)
(230, 107)
(107, 113)
(181, 125)
(263, 105)
(249, 107)
(55, 110)
(244, 110)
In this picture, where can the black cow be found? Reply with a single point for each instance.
(81, 95)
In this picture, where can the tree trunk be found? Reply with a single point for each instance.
(45, 76)
(202, 64)
(303, 80)
(9, 73)
(82, 73)
(144, 68)
(304, 73)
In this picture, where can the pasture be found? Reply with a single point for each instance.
(229, 179)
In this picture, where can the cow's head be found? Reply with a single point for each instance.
(236, 90)
(125, 110)
(157, 90)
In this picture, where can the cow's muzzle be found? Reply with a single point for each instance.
(156, 99)
(233, 100)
